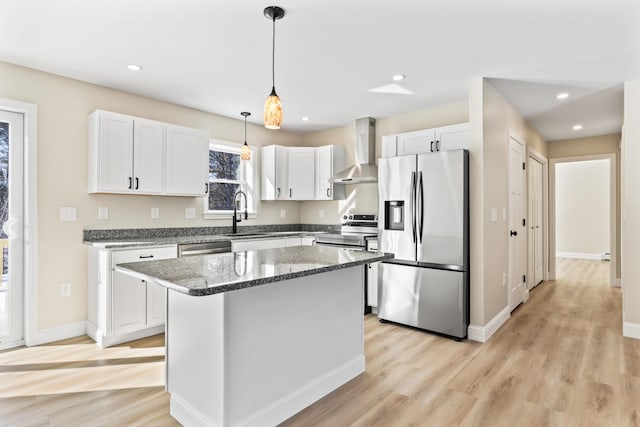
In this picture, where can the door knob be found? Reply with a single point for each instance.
(513, 233)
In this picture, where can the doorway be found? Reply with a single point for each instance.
(584, 211)
(517, 270)
(11, 223)
(536, 219)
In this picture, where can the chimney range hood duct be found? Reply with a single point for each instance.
(365, 169)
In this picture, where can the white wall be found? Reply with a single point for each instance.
(631, 210)
(582, 208)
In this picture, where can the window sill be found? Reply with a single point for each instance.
(225, 216)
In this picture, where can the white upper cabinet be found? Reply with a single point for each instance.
(187, 161)
(302, 182)
(110, 152)
(301, 173)
(148, 156)
(132, 155)
(389, 146)
(274, 173)
(330, 160)
(454, 137)
(444, 138)
(418, 142)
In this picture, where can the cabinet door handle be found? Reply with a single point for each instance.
(137, 183)
(278, 193)
(206, 188)
(130, 183)
(513, 233)
(437, 145)
(290, 193)
(431, 148)
(146, 256)
(328, 192)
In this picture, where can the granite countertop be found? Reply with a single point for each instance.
(212, 274)
(175, 240)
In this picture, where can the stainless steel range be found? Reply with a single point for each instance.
(356, 230)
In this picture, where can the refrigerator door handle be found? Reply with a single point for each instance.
(421, 196)
(413, 206)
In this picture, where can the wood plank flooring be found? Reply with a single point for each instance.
(560, 360)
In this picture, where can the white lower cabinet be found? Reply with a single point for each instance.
(121, 307)
(372, 284)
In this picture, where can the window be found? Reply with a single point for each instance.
(227, 175)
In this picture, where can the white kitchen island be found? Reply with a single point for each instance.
(254, 337)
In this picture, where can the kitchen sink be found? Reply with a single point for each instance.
(244, 234)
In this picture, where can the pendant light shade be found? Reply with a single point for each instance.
(245, 151)
(273, 106)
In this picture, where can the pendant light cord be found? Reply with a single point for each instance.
(245, 129)
(273, 54)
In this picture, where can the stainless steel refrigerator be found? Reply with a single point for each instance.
(424, 221)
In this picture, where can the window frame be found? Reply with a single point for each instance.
(247, 180)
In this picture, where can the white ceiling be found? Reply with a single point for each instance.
(215, 55)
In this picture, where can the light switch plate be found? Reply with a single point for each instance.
(155, 213)
(494, 215)
(321, 213)
(103, 212)
(68, 213)
(283, 213)
(189, 213)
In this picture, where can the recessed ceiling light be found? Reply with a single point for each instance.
(134, 67)
(305, 119)
(398, 77)
(562, 95)
(577, 127)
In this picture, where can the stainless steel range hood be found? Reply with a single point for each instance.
(365, 169)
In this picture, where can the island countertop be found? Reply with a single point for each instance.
(212, 274)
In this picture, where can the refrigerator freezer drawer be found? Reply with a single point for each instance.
(435, 300)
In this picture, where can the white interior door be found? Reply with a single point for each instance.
(11, 220)
(517, 269)
(535, 224)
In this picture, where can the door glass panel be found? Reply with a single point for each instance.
(4, 243)
(11, 241)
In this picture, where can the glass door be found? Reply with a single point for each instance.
(11, 220)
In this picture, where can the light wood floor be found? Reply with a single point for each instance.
(560, 360)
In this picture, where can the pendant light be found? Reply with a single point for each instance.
(273, 107)
(245, 151)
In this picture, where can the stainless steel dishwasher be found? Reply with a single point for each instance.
(206, 248)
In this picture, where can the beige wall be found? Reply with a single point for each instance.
(499, 118)
(582, 207)
(63, 108)
(585, 147)
(631, 205)
(363, 198)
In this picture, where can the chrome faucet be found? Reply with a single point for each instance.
(236, 220)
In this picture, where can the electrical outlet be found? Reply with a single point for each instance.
(65, 289)
(155, 213)
(283, 213)
(189, 213)
(68, 213)
(321, 213)
(494, 215)
(504, 214)
(103, 212)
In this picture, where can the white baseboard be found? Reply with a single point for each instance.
(56, 333)
(281, 409)
(579, 255)
(631, 330)
(483, 333)
(186, 414)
